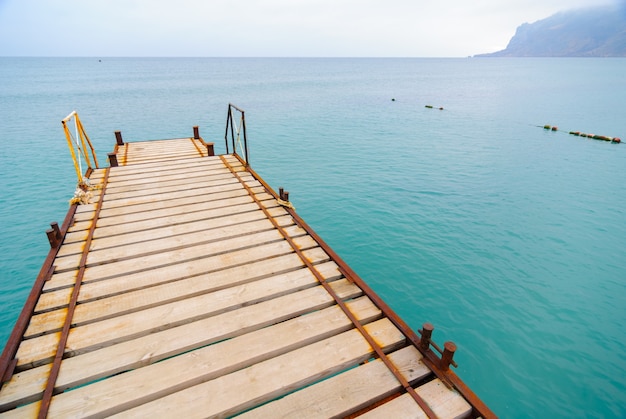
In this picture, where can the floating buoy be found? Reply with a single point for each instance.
(441, 108)
(585, 135)
(393, 99)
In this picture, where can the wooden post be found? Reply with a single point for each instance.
(196, 133)
(209, 149)
(448, 352)
(118, 138)
(113, 159)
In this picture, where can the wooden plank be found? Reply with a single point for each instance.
(144, 297)
(211, 163)
(188, 369)
(38, 350)
(153, 240)
(166, 315)
(164, 200)
(273, 378)
(148, 349)
(349, 392)
(155, 190)
(130, 187)
(156, 186)
(445, 402)
(93, 285)
(174, 256)
(204, 202)
(171, 248)
(174, 218)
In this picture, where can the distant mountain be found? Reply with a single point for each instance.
(596, 32)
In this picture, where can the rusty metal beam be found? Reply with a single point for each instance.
(58, 358)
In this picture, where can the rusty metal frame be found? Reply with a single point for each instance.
(230, 126)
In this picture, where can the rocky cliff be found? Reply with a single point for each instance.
(596, 32)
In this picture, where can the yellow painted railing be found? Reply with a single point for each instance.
(80, 146)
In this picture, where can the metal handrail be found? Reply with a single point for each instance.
(77, 144)
(236, 130)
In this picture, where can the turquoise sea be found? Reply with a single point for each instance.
(509, 238)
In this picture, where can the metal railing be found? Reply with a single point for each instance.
(235, 130)
(78, 142)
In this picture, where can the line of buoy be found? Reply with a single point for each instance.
(582, 134)
(596, 137)
(432, 107)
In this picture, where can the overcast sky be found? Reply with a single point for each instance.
(267, 28)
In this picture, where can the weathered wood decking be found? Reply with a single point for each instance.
(201, 295)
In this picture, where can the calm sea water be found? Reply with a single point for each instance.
(508, 238)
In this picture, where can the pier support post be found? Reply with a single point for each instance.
(57, 230)
(448, 352)
(283, 194)
(113, 159)
(196, 133)
(118, 138)
(427, 332)
(209, 149)
(54, 235)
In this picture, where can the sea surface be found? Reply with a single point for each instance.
(509, 238)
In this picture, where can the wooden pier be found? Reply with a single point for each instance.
(187, 287)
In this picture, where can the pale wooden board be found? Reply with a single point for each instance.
(134, 158)
(157, 239)
(156, 190)
(166, 150)
(91, 293)
(174, 256)
(218, 240)
(445, 402)
(38, 350)
(189, 369)
(170, 217)
(204, 202)
(141, 185)
(348, 392)
(151, 319)
(163, 200)
(94, 285)
(197, 168)
(146, 181)
(160, 187)
(147, 168)
(164, 344)
(262, 382)
(138, 153)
